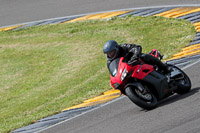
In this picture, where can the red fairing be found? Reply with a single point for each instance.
(142, 71)
(139, 72)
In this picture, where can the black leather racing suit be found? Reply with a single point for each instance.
(137, 53)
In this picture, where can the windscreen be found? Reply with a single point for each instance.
(113, 67)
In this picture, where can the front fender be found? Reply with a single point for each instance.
(141, 87)
(136, 84)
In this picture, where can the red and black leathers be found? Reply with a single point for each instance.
(126, 48)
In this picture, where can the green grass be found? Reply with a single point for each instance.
(45, 69)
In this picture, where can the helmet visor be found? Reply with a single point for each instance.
(111, 54)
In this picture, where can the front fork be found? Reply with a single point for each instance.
(141, 90)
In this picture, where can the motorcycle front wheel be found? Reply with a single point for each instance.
(147, 101)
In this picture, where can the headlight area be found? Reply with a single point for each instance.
(124, 74)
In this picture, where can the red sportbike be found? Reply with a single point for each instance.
(145, 84)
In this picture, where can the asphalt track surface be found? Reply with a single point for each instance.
(177, 114)
(21, 11)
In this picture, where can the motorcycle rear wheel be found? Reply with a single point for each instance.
(184, 85)
(138, 100)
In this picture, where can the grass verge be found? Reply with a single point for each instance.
(45, 69)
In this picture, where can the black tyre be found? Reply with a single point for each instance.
(183, 82)
(146, 103)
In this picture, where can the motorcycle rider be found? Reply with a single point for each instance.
(113, 50)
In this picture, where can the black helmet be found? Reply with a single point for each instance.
(111, 49)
